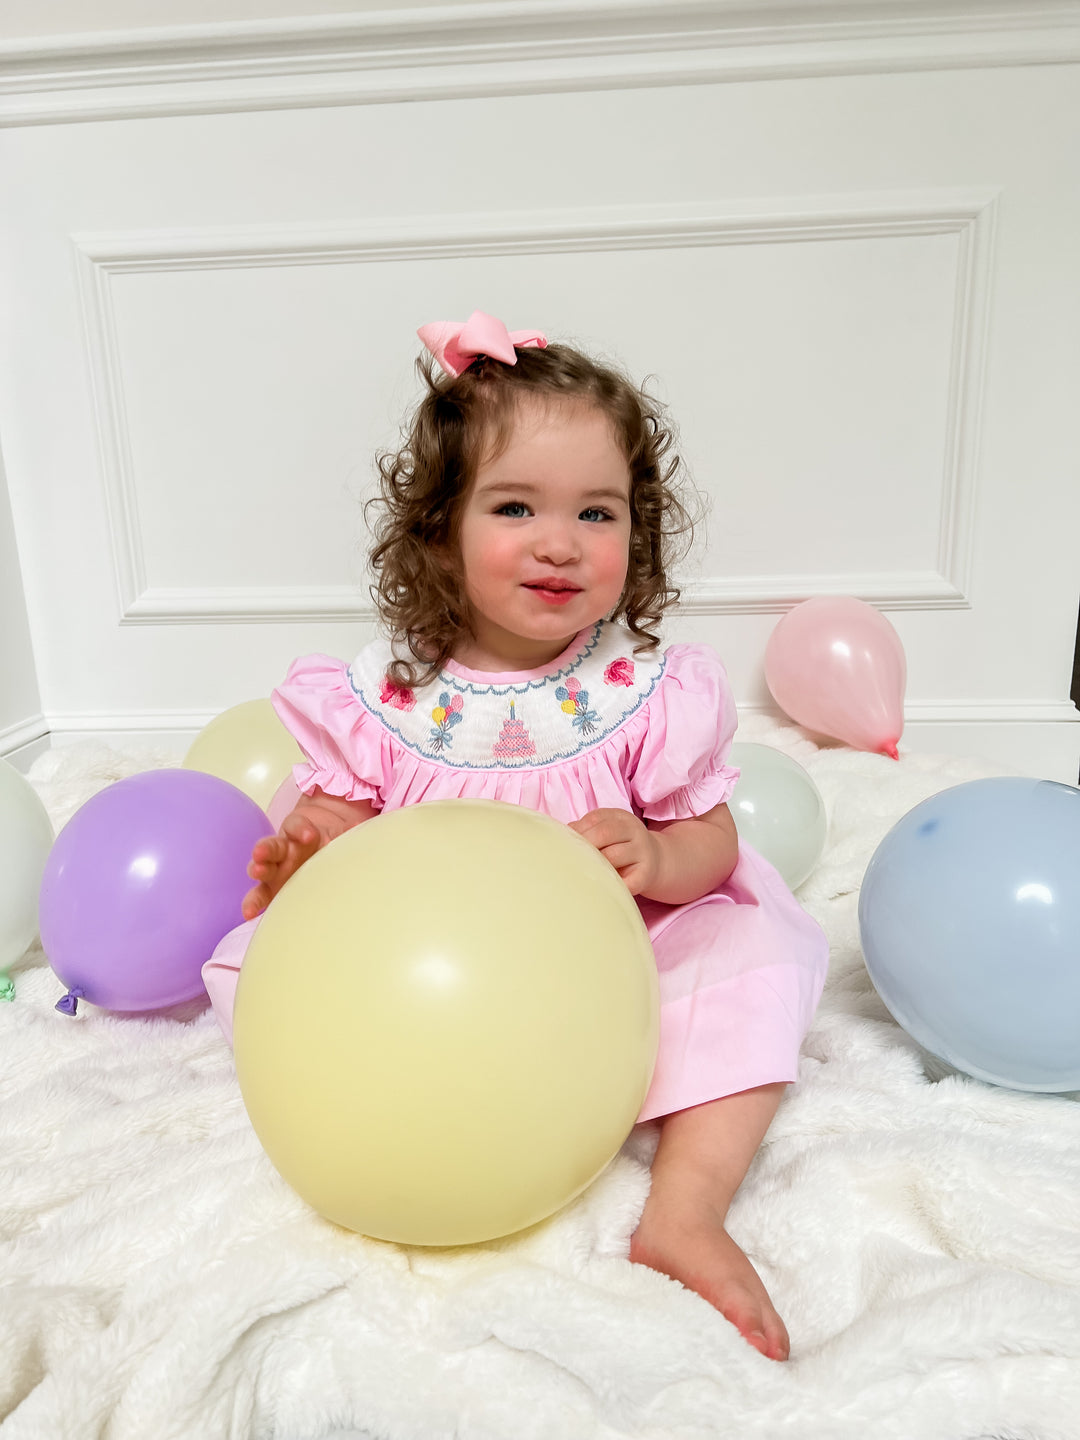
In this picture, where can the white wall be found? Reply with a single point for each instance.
(21, 720)
(858, 291)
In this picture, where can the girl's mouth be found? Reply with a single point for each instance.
(557, 594)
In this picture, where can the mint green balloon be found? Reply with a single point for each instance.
(26, 837)
(778, 810)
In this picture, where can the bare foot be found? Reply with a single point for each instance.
(694, 1248)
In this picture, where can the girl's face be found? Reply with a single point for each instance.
(544, 537)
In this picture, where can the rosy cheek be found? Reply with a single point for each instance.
(492, 555)
(617, 557)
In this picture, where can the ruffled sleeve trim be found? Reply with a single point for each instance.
(344, 744)
(681, 770)
(698, 799)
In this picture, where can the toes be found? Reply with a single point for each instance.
(744, 1312)
(766, 1333)
(779, 1346)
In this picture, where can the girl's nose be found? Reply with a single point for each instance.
(557, 543)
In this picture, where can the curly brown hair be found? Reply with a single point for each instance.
(463, 421)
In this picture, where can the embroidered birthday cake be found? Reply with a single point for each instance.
(514, 745)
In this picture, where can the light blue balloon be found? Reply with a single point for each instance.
(969, 916)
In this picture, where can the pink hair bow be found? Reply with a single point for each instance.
(456, 346)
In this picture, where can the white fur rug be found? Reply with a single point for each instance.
(919, 1232)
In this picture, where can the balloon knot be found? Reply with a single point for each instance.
(69, 1005)
(7, 988)
(891, 750)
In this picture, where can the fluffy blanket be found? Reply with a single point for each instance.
(918, 1230)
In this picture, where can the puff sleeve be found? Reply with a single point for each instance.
(680, 769)
(345, 746)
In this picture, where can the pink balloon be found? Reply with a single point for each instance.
(837, 666)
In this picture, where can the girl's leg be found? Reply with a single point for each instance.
(222, 971)
(700, 1162)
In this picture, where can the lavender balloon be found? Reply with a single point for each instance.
(142, 883)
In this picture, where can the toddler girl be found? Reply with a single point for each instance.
(530, 512)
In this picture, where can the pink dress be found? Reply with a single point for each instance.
(741, 969)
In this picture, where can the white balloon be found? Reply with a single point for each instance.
(26, 837)
(778, 810)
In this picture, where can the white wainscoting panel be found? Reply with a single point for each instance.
(258, 411)
(857, 293)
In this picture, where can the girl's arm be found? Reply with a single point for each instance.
(672, 861)
(316, 820)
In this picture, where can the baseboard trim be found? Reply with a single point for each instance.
(23, 732)
(1038, 737)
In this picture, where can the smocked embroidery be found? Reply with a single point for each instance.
(467, 724)
(620, 672)
(446, 715)
(400, 696)
(514, 745)
(574, 701)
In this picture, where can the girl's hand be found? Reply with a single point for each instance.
(277, 857)
(626, 843)
(317, 820)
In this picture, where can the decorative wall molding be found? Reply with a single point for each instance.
(773, 594)
(968, 214)
(277, 604)
(466, 50)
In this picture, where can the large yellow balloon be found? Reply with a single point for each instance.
(447, 1022)
(248, 746)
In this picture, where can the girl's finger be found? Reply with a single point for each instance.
(608, 832)
(632, 878)
(270, 851)
(596, 818)
(621, 855)
(295, 827)
(255, 902)
(584, 826)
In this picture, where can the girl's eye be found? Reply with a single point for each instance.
(514, 509)
(594, 513)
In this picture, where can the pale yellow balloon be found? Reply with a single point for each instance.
(447, 1022)
(248, 746)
